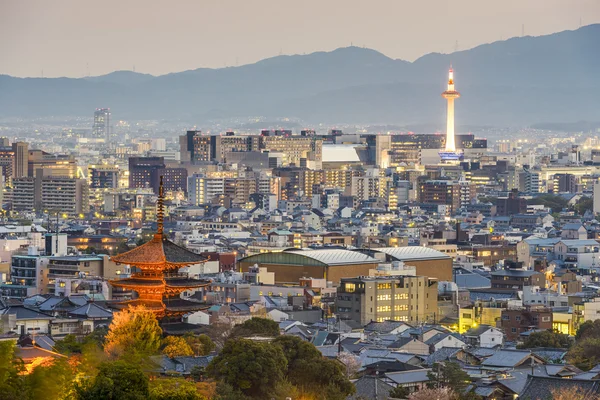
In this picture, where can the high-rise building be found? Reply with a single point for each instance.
(101, 127)
(369, 186)
(103, 176)
(21, 159)
(446, 192)
(143, 171)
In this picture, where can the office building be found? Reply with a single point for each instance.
(101, 126)
(451, 193)
(412, 299)
(103, 176)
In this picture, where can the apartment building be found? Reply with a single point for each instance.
(400, 298)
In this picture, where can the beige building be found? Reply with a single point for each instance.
(403, 298)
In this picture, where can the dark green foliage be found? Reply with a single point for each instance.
(556, 203)
(201, 345)
(448, 374)
(173, 389)
(584, 204)
(546, 339)
(588, 329)
(116, 380)
(254, 368)
(11, 383)
(399, 392)
(311, 372)
(256, 327)
(585, 353)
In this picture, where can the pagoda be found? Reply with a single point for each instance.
(156, 278)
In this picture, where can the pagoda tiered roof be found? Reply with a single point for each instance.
(159, 252)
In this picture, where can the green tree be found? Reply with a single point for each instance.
(202, 345)
(68, 345)
(584, 204)
(555, 202)
(311, 372)
(399, 392)
(588, 329)
(11, 382)
(116, 380)
(256, 327)
(133, 333)
(50, 382)
(546, 339)
(585, 353)
(253, 368)
(174, 389)
(175, 346)
(450, 375)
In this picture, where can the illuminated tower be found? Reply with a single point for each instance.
(450, 153)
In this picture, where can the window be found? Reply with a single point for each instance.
(506, 317)
(513, 330)
(384, 297)
(350, 287)
(383, 286)
(545, 319)
(517, 317)
(401, 296)
(401, 307)
(384, 308)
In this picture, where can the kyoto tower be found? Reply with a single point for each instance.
(450, 153)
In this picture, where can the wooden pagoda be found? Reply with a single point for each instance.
(156, 278)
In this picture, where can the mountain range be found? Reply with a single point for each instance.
(519, 81)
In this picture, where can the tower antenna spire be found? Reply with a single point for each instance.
(160, 213)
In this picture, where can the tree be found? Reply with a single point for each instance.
(251, 367)
(399, 392)
(256, 327)
(68, 345)
(351, 362)
(308, 370)
(585, 353)
(437, 394)
(588, 329)
(11, 382)
(53, 381)
(134, 332)
(450, 375)
(116, 380)
(555, 202)
(570, 393)
(584, 204)
(173, 389)
(201, 345)
(175, 346)
(546, 339)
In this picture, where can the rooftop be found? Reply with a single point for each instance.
(413, 253)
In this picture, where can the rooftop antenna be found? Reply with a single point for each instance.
(522, 30)
(87, 68)
(456, 46)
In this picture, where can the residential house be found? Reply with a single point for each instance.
(484, 336)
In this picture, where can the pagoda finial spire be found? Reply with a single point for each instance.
(160, 213)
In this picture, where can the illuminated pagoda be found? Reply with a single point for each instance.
(156, 279)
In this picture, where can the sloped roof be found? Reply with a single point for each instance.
(508, 358)
(159, 251)
(541, 387)
(24, 312)
(371, 387)
(405, 377)
(91, 310)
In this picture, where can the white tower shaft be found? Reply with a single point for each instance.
(450, 143)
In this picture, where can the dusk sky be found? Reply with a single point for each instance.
(74, 37)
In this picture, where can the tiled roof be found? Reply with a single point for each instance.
(507, 358)
(159, 251)
(91, 310)
(540, 388)
(406, 377)
(371, 387)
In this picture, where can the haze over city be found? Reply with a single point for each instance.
(74, 39)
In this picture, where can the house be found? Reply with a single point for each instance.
(371, 387)
(180, 365)
(277, 315)
(484, 336)
(574, 231)
(492, 390)
(198, 318)
(34, 356)
(387, 327)
(23, 320)
(409, 345)
(442, 340)
(541, 387)
(512, 359)
(412, 380)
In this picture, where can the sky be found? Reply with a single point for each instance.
(77, 38)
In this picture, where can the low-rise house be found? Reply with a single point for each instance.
(542, 387)
(512, 359)
(409, 345)
(484, 336)
(412, 380)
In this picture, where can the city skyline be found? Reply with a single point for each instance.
(126, 36)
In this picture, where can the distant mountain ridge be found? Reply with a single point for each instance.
(524, 80)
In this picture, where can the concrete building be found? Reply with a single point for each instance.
(412, 299)
(427, 262)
